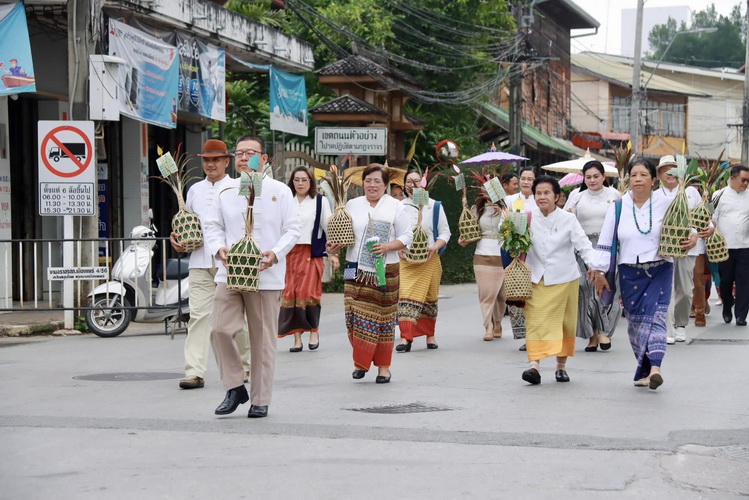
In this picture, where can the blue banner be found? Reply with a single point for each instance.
(202, 77)
(149, 76)
(288, 102)
(16, 66)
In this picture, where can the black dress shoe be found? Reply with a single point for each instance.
(403, 347)
(359, 374)
(740, 322)
(532, 376)
(432, 346)
(381, 379)
(523, 348)
(605, 347)
(562, 376)
(591, 348)
(234, 398)
(727, 315)
(297, 349)
(258, 411)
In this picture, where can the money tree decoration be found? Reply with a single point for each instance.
(677, 222)
(468, 224)
(418, 251)
(711, 176)
(185, 224)
(516, 240)
(340, 224)
(243, 261)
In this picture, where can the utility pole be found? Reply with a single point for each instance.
(745, 107)
(516, 86)
(634, 113)
(79, 227)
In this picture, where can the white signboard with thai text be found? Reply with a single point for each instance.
(77, 273)
(371, 141)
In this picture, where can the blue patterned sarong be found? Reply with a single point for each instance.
(646, 294)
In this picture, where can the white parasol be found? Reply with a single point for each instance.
(576, 166)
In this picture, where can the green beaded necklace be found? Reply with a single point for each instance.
(634, 215)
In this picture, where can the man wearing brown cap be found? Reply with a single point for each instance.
(201, 198)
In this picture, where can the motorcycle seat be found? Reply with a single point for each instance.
(176, 269)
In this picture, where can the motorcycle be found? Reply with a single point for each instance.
(130, 286)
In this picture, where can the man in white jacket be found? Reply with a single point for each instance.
(276, 230)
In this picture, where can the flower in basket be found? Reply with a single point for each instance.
(185, 224)
(340, 225)
(516, 240)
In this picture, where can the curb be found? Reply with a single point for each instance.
(34, 329)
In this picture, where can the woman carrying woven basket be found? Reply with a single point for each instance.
(420, 281)
(300, 304)
(381, 228)
(488, 268)
(551, 312)
(645, 278)
(595, 321)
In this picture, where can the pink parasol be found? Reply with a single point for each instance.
(571, 179)
(492, 156)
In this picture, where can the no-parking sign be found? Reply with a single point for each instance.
(67, 168)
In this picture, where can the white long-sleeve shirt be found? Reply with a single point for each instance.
(427, 220)
(634, 247)
(200, 200)
(489, 223)
(554, 240)
(306, 211)
(276, 227)
(529, 203)
(401, 229)
(732, 217)
(693, 199)
(590, 207)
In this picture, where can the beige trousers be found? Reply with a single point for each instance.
(489, 277)
(681, 299)
(202, 288)
(261, 310)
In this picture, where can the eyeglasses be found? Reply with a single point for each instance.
(249, 153)
(373, 182)
(302, 181)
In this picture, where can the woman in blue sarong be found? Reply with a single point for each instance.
(645, 278)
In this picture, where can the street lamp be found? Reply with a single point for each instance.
(634, 123)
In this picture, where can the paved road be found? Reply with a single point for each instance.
(64, 435)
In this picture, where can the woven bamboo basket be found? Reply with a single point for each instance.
(717, 251)
(341, 228)
(468, 224)
(243, 262)
(701, 216)
(419, 250)
(676, 227)
(186, 227)
(517, 281)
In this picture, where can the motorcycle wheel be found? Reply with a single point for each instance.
(108, 322)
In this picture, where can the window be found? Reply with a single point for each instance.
(656, 117)
(673, 119)
(620, 114)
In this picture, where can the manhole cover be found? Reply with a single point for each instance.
(719, 341)
(398, 409)
(128, 377)
(739, 453)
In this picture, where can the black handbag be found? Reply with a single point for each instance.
(318, 244)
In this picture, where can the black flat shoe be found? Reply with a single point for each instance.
(435, 346)
(727, 315)
(359, 374)
(381, 379)
(591, 348)
(562, 376)
(740, 322)
(258, 411)
(312, 347)
(605, 347)
(532, 376)
(403, 347)
(523, 348)
(296, 349)
(234, 398)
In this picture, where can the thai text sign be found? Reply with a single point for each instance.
(77, 273)
(356, 141)
(148, 76)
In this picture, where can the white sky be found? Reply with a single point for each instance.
(608, 13)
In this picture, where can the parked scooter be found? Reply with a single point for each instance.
(131, 285)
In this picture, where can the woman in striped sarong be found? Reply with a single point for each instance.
(420, 281)
(645, 278)
(300, 305)
(371, 308)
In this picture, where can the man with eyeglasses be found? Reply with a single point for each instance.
(276, 231)
(732, 219)
(201, 197)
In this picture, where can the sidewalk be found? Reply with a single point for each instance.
(30, 322)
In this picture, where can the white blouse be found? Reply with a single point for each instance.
(634, 246)
(732, 216)
(401, 229)
(590, 207)
(200, 199)
(529, 202)
(554, 239)
(489, 222)
(306, 211)
(427, 220)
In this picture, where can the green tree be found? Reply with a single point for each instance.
(723, 48)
